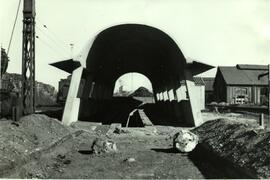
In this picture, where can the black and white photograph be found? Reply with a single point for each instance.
(135, 89)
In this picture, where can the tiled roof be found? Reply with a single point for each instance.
(197, 80)
(241, 75)
(251, 67)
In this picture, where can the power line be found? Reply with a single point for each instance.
(49, 36)
(56, 36)
(51, 39)
(13, 28)
(49, 46)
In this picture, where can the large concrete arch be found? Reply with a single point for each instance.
(134, 48)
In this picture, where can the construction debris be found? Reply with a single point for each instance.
(119, 130)
(185, 141)
(100, 146)
(130, 160)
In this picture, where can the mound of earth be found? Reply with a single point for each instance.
(141, 92)
(25, 139)
(244, 145)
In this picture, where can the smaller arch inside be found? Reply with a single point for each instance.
(134, 85)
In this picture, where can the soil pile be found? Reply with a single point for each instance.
(20, 141)
(141, 92)
(242, 144)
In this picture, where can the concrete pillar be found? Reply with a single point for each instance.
(175, 94)
(157, 96)
(165, 95)
(175, 85)
(87, 87)
(92, 90)
(71, 110)
(167, 91)
(177, 110)
(95, 90)
(194, 109)
(161, 96)
(181, 93)
(171, 95)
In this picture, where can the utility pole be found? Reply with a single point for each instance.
(28, 57)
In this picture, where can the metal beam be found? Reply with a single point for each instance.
(28, 57)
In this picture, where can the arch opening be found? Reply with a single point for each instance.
(134, 85)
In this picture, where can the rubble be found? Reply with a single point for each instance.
(130, 160)
(119, 130)
(101, 145)
(185, 141)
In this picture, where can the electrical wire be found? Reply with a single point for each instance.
(57, 45)
(14, 24)
(50, 47)
(52, 33)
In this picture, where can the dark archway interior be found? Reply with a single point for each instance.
(122, 49)
(134, 48)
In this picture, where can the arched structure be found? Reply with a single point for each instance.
(134, 48)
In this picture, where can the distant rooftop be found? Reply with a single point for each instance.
(199, 81)
(251, 67)
(244, 74)
(208, 82)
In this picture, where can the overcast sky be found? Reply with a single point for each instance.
(216, 32)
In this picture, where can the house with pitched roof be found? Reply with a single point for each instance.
(241, 84)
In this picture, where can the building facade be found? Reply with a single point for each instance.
(209, 90)
(241, 85)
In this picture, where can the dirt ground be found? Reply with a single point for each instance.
(40, 147)
(240, 142)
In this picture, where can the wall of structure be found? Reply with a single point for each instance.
(220, 88)
(252, 93)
